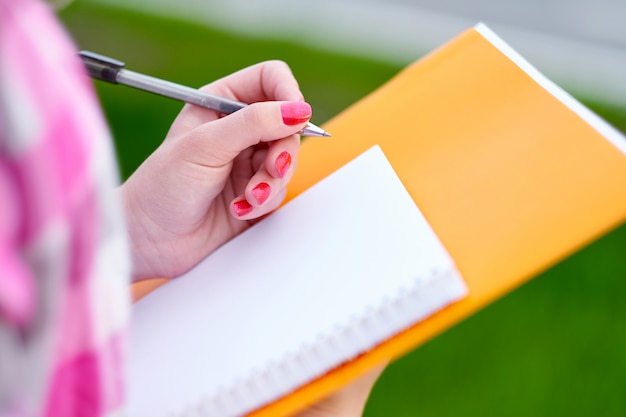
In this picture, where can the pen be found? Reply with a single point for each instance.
(112, 70)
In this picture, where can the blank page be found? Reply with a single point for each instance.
(336, 271)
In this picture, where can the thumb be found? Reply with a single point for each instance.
(223, 139)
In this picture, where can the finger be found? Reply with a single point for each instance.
(219, 142)
(272, 177)
(267, 187)
(242, 209)
(281, 157)
(266, 81)
(349, 400)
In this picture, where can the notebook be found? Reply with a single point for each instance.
(510, 172)
(341, 268)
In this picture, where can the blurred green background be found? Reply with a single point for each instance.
(556, 346)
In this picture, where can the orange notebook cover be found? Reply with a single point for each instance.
(511, 173)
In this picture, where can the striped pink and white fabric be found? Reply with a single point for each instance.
(64, 261)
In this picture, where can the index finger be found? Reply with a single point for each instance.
(265, 81)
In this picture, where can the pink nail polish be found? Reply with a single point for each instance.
(242, 207)
(261, 192)
(295, 112)
(282, 164)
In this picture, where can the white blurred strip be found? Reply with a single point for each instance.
(399, 33)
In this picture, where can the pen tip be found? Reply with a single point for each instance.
(312, 130)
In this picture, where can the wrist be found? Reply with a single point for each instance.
(143, 250)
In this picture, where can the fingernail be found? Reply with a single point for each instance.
(261, 192)
(242, 207)
(295, 112)
(282, 163)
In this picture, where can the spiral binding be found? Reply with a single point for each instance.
(325, 352)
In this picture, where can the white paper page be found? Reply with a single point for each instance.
(300, 292)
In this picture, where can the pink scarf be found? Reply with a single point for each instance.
(64, 263)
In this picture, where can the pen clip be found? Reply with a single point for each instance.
(101, 67)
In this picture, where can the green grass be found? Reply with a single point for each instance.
(556, 346)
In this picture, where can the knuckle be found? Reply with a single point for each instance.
(255, 122)
(253, 117)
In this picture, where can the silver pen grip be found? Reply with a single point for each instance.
(179, 92)
(112, 70)
(193, 96)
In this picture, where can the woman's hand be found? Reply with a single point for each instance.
(347, 402)
(213, 174)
